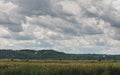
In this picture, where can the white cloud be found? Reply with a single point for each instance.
(68, 7)
(4, 32)
(7, 7)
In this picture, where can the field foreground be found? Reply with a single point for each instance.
(59, 67)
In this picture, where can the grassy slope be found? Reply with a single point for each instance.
(64, 67)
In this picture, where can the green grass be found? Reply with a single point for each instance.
(59, 67)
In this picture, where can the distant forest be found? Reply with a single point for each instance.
(52, 55)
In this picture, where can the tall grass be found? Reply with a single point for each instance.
(59, 68)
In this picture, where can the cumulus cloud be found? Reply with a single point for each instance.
(73, 26)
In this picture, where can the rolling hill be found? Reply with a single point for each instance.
(52, 54)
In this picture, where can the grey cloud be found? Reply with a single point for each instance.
(92, 31)
(65, 27)
(39, 7)
(61, 20)
(33, 7)
(15, 27)
(116, 34)
(45, 44)
(18, 37)
(6, 37)
(109, 12)
(4, 19)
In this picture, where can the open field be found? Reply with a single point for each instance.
(59, 67)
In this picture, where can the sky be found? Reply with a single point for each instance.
(71, 26)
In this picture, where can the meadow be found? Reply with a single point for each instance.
(59, 67)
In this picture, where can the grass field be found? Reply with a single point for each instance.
(59, 67)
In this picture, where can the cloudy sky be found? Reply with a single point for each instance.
(71, 26)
